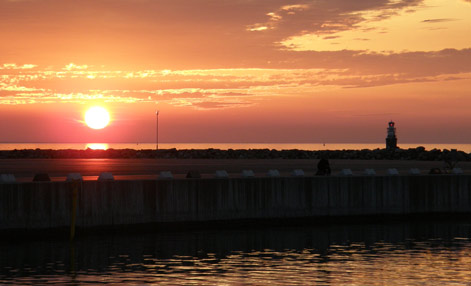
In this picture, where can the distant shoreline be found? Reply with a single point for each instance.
(418, 153)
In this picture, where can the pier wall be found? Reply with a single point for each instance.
(43, 205)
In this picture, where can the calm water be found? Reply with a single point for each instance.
(422, 253)
(225, 146)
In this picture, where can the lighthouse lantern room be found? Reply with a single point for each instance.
(391, 139)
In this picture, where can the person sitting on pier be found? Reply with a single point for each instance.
(323, 167)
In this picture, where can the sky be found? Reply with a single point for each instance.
(248, 71)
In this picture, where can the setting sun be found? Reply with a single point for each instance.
(97, 117)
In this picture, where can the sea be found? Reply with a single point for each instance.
(394, 253)
(226, 146)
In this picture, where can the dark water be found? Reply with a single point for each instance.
(419, 253)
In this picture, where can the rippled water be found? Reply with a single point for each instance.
(421, 253)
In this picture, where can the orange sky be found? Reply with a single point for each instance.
(236, 71)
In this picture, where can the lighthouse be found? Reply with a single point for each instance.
(391, 139)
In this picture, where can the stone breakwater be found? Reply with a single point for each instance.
(418, 153)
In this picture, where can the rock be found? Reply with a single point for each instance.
(298, 173)
(221, 174)
(106, 176)
(74, 177)
(346, 172)
(418, 153)
(166, 175)
(273, 173)
(248, 174)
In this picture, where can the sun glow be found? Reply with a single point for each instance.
(97, 117)
(97, 146)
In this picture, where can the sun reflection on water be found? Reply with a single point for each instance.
(97, 146)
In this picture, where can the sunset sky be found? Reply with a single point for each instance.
(236, 70)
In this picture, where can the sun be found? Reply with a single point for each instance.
(97, 117)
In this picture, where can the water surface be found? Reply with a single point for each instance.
(419, 253)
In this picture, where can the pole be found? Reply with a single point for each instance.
(157, 130)
(73, 213)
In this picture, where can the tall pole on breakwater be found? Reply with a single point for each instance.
(157, 130)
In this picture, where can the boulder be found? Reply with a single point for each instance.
(346, 172)
(273, 173)
(298, 173)
(248, 174)
(74, 177)
(221, 174)
(165, 175)
(7, 178)
(414, 171)
(106, 176)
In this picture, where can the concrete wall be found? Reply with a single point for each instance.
(49, 204)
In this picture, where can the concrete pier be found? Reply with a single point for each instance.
(48, 205)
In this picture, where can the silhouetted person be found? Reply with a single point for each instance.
(323, 167)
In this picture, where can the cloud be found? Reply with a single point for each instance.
(438, 20)
(73, 66)
(144, 36)
(13, 66)
(219, 53)
(233, 87)
(328, 17)
(218, 105)
(390, 30)
(179, 34)
(331, 37)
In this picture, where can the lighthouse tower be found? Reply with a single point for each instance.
(391, 140)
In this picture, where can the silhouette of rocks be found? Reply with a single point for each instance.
(418, 153)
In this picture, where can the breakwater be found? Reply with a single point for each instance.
(48, 205)
(418, 153)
